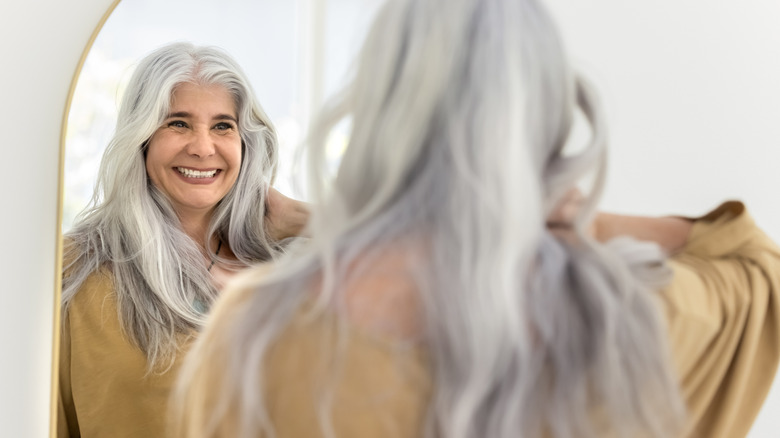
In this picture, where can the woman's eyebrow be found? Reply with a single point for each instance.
(225, 117)
(185, 114)
(182, 114)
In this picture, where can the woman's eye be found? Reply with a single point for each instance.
(177, 124)
(223, 126)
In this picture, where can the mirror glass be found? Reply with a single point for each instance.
(295, 53)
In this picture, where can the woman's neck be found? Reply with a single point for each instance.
(195, 226)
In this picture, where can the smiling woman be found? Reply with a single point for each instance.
(139, 26)
(195, 156)
(186, 172)
(179, 204)
(282, 46)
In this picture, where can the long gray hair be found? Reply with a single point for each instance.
(162, 285)
(461, 110)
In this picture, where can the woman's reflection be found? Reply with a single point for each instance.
(182, 203)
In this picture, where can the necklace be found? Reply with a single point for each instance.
(213, 260)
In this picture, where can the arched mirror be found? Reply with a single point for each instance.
(294, 52)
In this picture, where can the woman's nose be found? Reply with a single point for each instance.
(201, 144)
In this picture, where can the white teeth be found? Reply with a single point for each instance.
(189, 173)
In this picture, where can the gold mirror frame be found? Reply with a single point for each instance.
(60, 199)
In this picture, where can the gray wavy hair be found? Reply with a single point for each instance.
(162, 285)
(461, 110)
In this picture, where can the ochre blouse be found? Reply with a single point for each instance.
(721, 308)
(105, 389)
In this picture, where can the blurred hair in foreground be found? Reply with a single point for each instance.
(460, 113)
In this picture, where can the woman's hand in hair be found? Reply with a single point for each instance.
(563, 216)
(285, 217)
(670, 233)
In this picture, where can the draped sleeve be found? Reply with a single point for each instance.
(722, 313)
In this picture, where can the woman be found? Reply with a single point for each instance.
(179, 208)
(443, 294)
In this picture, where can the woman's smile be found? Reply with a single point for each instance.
(197, 174)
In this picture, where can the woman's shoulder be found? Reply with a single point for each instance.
(725, 231)
(379, 312)
(95, 294)
(725, 251)
(380, 382)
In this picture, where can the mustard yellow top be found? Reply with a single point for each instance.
(105, 390)
(722, 310)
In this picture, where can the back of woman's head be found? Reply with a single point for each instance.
(460, 113)
(461, 110)
(487, 81)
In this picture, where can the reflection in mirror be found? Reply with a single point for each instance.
(122, 333)
(294, 53)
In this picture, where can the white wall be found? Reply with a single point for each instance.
(41, 41)
(693, 96)
(691, 87)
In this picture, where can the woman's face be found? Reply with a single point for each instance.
(195, 156)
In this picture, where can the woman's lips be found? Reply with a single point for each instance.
(193, 173)
(197, 176)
